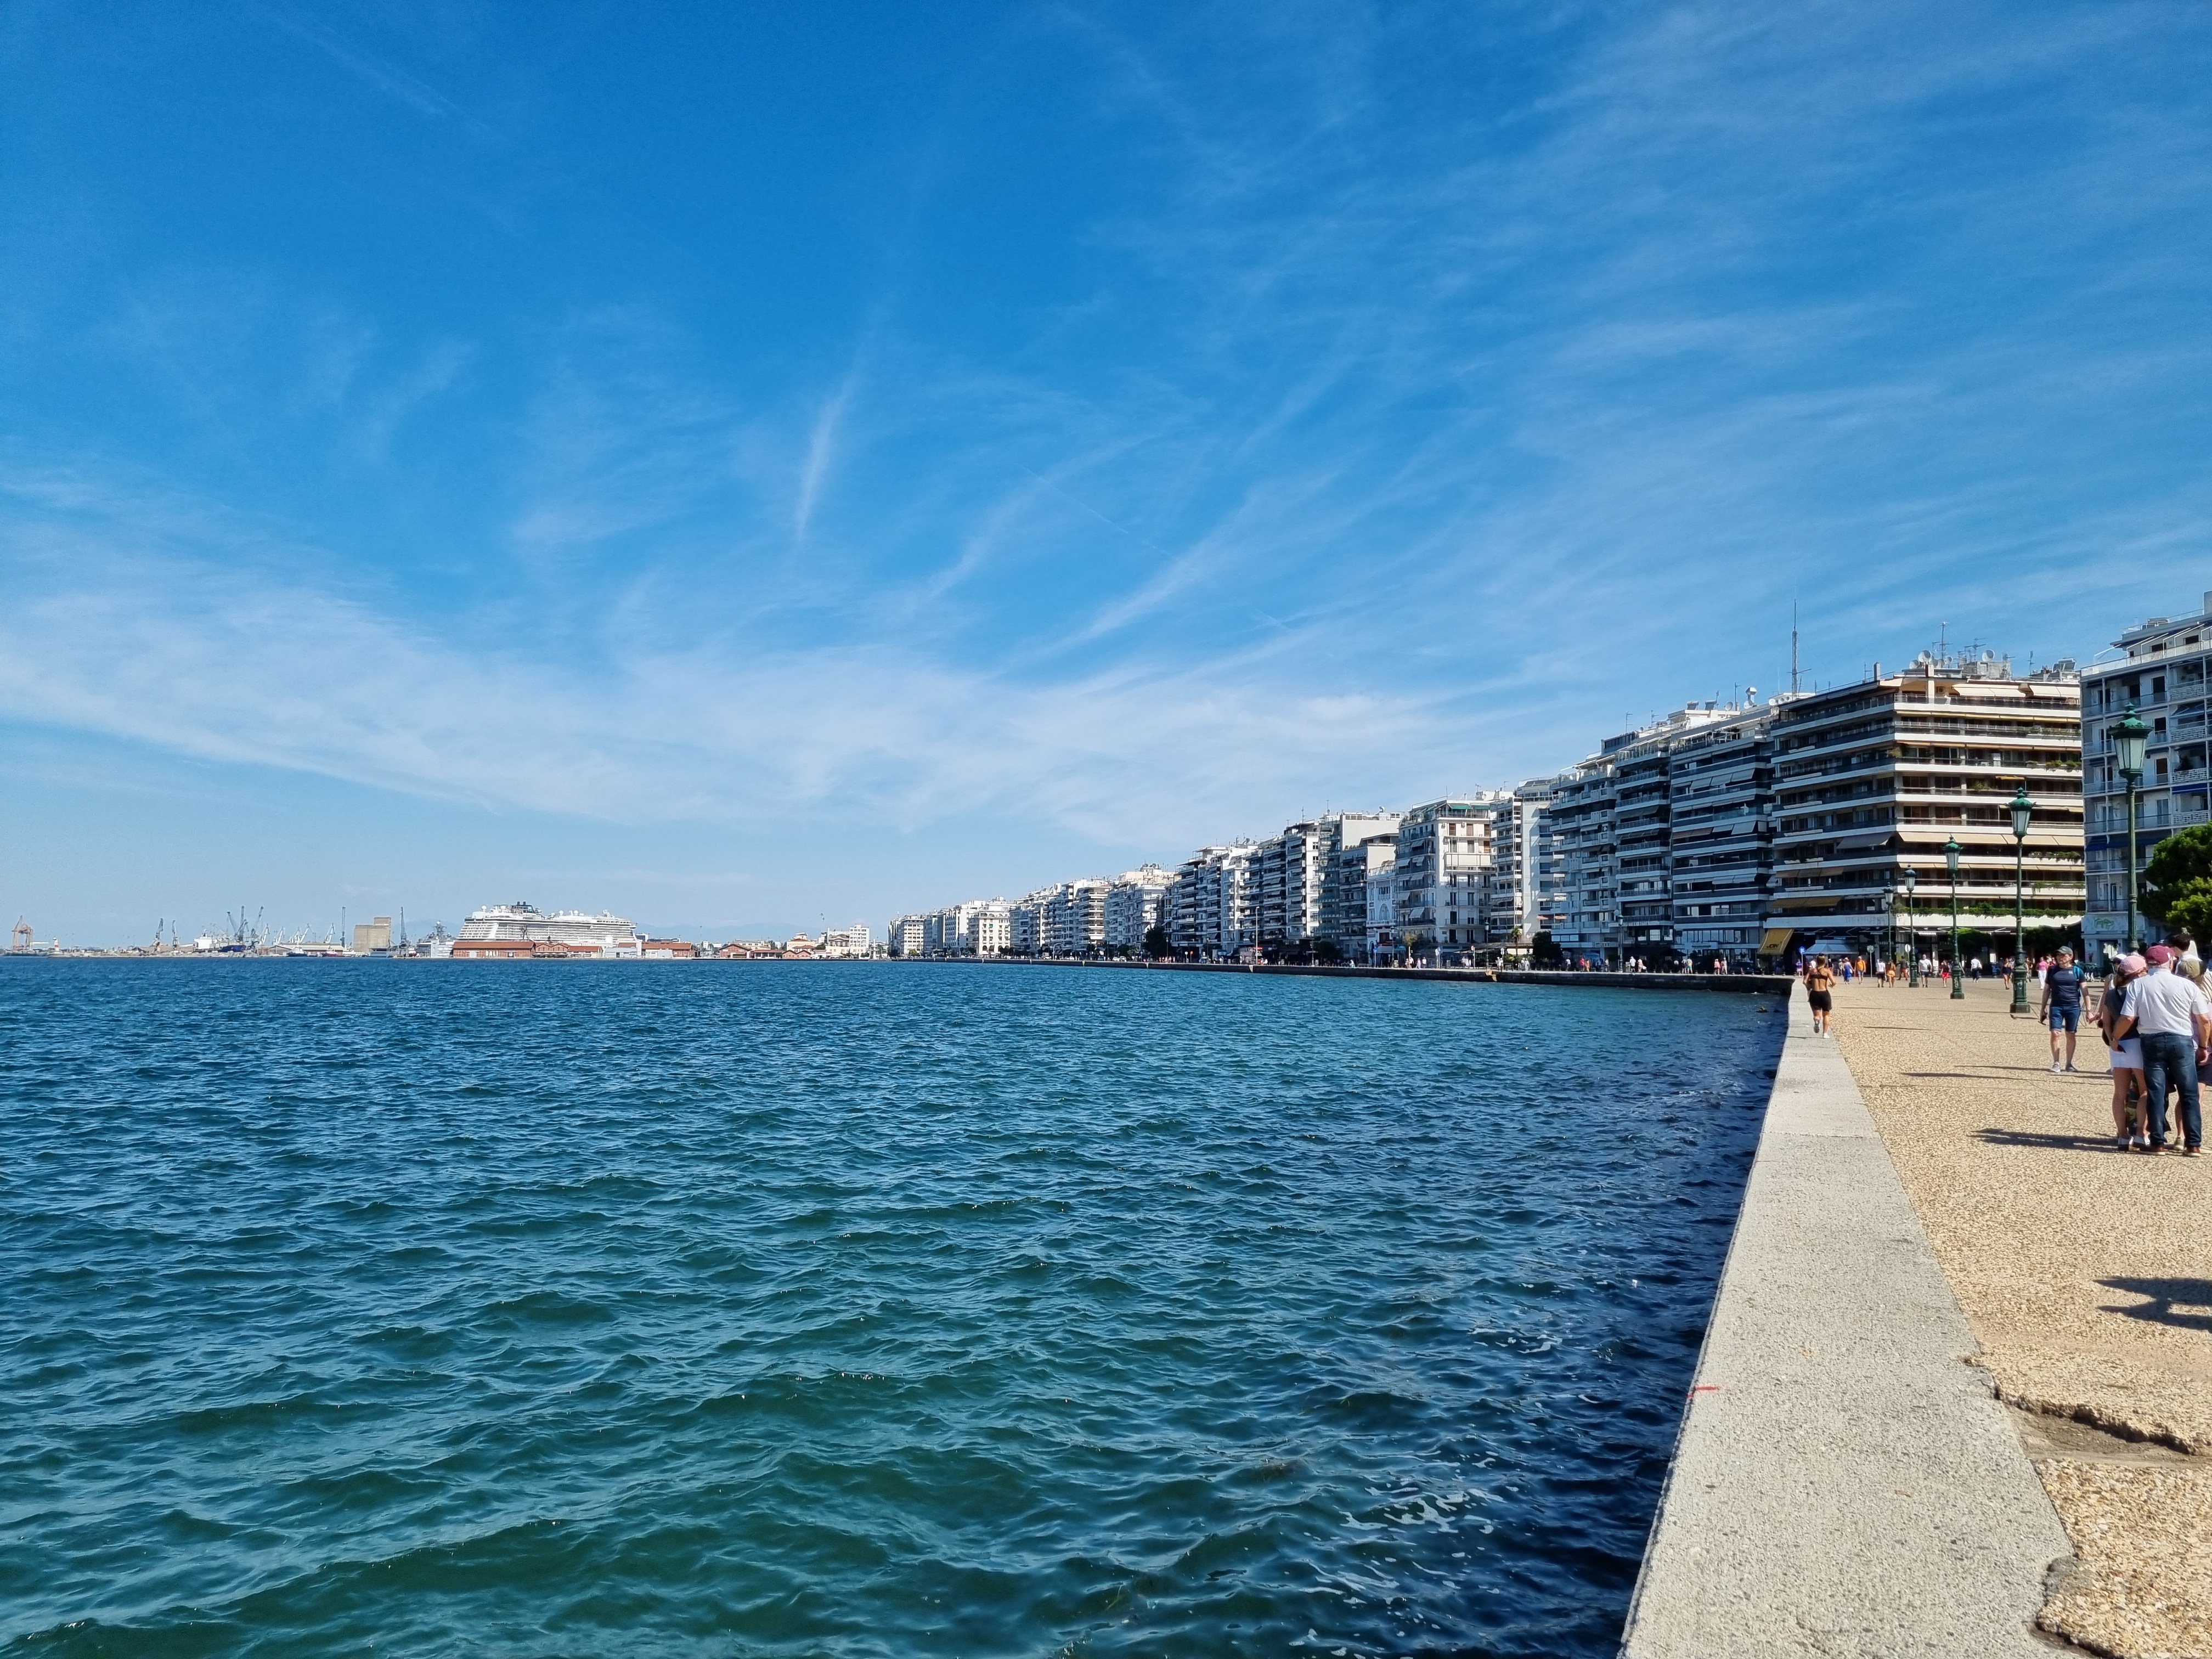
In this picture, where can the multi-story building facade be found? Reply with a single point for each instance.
(1520, 895)
(2162, 669)
(1075, 917)
(1872, 780)
(905, 935)
(1025, 924)
(1295, 902)
(976, 928)
(1211, 907)
(1134, 903)
(992, 928)
(1582, 836)
(1443, 858)
(1720, 834)
(1346, 928)
(1382, 942)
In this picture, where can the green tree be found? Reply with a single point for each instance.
(2177, 864)
(2189, 909)
(1155, 942)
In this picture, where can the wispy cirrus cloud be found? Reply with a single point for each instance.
(150, 628)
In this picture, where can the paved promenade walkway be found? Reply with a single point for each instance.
(2086, 1273)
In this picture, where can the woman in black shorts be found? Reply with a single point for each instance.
(1820, 987)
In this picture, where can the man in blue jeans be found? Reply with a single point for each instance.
(2175, 1022)
(2062, 1007)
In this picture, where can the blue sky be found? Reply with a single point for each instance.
(740, 465)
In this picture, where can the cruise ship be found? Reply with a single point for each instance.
(527, 921)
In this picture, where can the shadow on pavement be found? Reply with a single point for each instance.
(2033, 1138)
(2164, 1298)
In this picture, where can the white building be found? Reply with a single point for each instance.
(1297, 907)
(907, 935)
(854, 941)
(1075, 917)
(976, 928)
(1379, 856)
(1443, 859)
(1212, 907)
(1523, 892)
(1134, 902)
(1025, 923)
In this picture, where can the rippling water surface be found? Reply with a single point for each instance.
(730, 1309)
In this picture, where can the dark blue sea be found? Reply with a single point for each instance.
(844, 1310)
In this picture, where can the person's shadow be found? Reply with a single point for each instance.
(2165, 1298)
(2065, 1143)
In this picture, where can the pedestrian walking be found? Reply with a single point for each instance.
(2174, 1021)
(1820, 993)
(2130, 1121)
(2061, 1009)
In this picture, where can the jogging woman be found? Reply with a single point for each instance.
(1819, 988)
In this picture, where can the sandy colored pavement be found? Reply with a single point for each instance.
(2086, 1273)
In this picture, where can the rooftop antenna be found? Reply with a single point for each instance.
(1793, 644)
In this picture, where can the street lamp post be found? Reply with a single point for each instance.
(2023, 810)
(2128, 736)
(1889, 922)
(1951, 861)
(1911, 928)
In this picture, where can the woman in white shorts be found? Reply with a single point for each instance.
(2127, 1056)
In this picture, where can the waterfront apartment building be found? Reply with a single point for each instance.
(904, 937)
(1025, 923)
(1521, 892)
(1360, 842)
(1288, 874)
(1075, 917)
(1720, 834)
(1582, 836)
(977, 927)
(1382, 942)
(1443, 859)
(1134, 902)
(1296, 905)
(1872, 780)
(2161, 668)
(1612, 820)
(1349, 918)
(1210, 908)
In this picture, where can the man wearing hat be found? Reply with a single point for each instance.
(2171, 1017)
(2062, 1007)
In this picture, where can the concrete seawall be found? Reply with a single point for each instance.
(1844, 1483)
(1772, 985)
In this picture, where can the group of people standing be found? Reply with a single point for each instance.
(2156, 1017)
(2156, 1021)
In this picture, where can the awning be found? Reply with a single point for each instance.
(1867, 844)
(1776, 941)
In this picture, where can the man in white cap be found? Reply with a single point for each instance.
(2175, 1023)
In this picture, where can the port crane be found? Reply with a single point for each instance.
(19, 939)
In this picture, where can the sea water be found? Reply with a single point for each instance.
(429, 1308)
